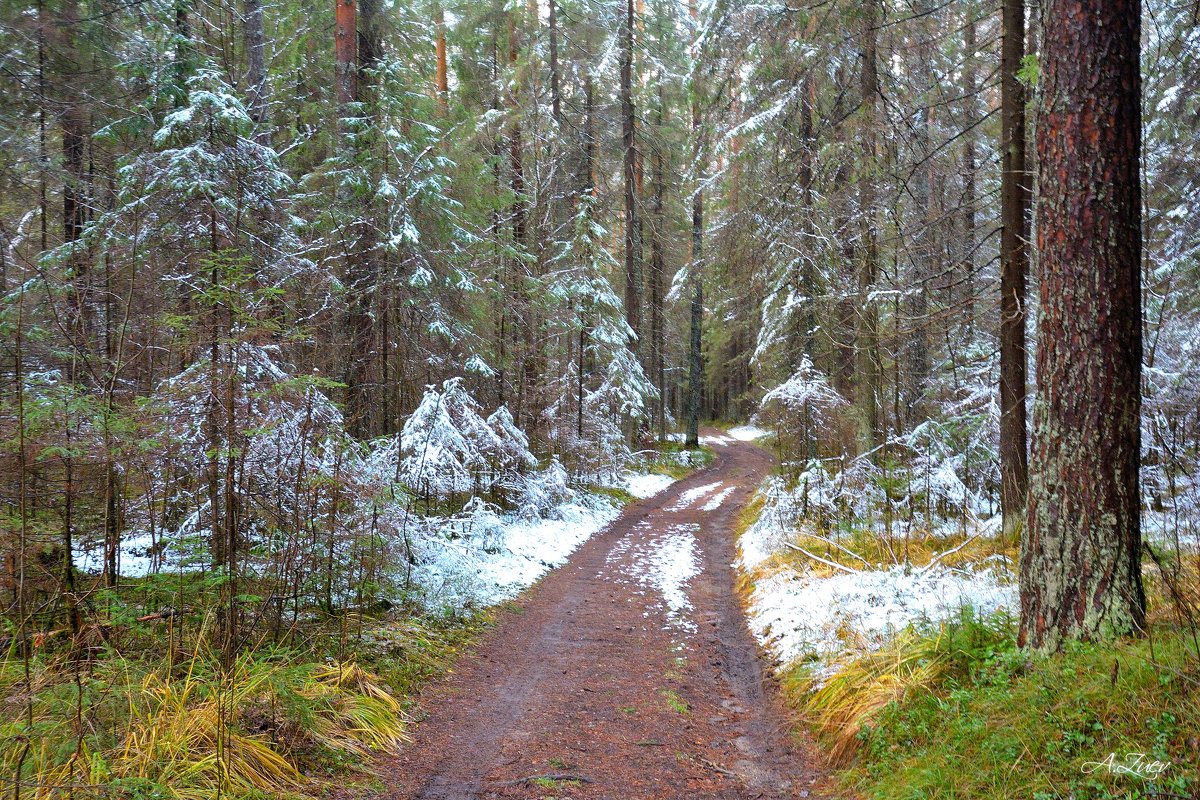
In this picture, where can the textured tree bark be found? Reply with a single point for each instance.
(802, 323)
(524, 332)
(867, 335)
(657, 272)
(256, 68)
(555, 79)
(515, 146)
(1014, 265)
(588, 167)
(1080, 559)
(362, 270)
(182, 65)
(633, 256)
(970, 168)
(345, 51)
(695, 352)
(926, 262)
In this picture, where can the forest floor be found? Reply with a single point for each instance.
(627, 673)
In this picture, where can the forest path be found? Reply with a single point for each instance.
(630, 669)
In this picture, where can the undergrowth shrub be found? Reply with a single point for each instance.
(260, 727)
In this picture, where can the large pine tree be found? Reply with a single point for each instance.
(1080, 569)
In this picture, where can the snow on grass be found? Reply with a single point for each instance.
(748, 433)
(530, 549)
(643, 485)
(502, 553)
(819, 619)
(767, 535)
(135, 557)
(720, 440)
(692, 495)
(715, 502)
(800, 615)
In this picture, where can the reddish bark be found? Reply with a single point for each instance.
(345, 44)
(1080, 561)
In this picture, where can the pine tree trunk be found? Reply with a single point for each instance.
(924, 247)
(970, 168)
(256, 68)
(867, 335)
(657, 272)
(362, 270)
(1080, 560)
(345, 53)
(1014, 265)
(802, 323)
(695, 334)
(555, 79)
(633, 256)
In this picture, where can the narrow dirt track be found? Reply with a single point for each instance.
(588, 677)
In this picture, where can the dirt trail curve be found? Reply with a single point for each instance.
(622, 670)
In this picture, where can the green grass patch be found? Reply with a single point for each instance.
(675, 702)
(961, 712)
(620, 496)
(672, 458)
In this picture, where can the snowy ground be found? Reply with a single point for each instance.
(135, 558)
(799, 615)
(691, 496)
(717, 499)
(662, 563)
(507, 553)
(643, 485)
(747, 433)
(478, 557)
(742, 433)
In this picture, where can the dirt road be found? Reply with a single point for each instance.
(627, 673)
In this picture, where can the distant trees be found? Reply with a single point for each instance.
(1081, 554)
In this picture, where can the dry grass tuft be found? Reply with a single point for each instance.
(840, 708)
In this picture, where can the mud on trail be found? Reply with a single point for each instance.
(627, 673)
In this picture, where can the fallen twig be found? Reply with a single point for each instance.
(715, 767)
(552, 776)
(945, 553)
(824, 561)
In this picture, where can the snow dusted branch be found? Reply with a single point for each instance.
(937, 559)
(824, 561)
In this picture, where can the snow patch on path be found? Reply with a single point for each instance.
(719, 440)
(661, 562)
(692, 495)
(748, 433)
(642, 486)
(715, 502)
